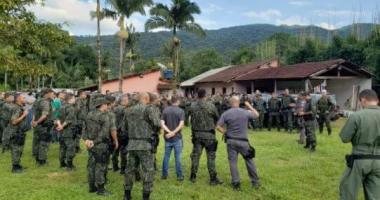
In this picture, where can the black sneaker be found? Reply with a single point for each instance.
(180, 179)
(256, 185)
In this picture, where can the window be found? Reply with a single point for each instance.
(213, 91)
(224, 90)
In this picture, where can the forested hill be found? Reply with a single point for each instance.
(223, 40)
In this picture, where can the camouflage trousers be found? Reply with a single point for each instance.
(324, 119)
(122, 152)
(210, 145)
(97, 164)
(259, 122)
(41, 141)
(17, 143)
(66, 149)
(287, 116)
(146, 160)
(274, 116)
(2, 127)
(6, 139)
(311, 138)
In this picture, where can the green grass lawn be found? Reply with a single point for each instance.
(287, 171)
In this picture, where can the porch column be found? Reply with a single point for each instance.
(307, 85)
(275, 86)
(252, 87)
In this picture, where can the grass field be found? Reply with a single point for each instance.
(287, 171)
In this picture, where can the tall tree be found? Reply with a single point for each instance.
(179, 16)
(122, 10)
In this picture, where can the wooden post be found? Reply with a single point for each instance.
(252, 87)
(307, 85)
(275, 86)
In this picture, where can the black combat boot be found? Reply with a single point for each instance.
(215, 181)
(122, 170)
(16, 169)
(193, 177)
(63, 164)
(115, 167)
(236, 186)
(102, 191)
(70, 166)
(92, 188)
(307, 144)
(127, 195)
(146, 195)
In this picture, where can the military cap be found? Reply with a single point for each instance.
(101, 101)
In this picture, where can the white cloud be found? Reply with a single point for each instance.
(266, 15)
(77, 15)
(335, 13)
(290, 21)
(211, 8)
(300, 3)
(207, 23)
(327, 26)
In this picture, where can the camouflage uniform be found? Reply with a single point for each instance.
(324, 106)
(300, 107)
(6, 114)
(309, 118)
(274, 106)
(260, 105)
(17, 135)
(156, 129)
(98, 129)
(138, 123)
(2, 120)
(287, 112)
(41, 135)
(122, 139)
(82, 110)
(67, 139)
(204, 116)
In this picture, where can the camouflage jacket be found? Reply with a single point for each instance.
(286, 101)
(155, 126)
(68, 116)
(274, 105)
(98, 127)
(324, 105)
(82, 108)
(6, 112)
(204, 116)
(259, 104)
(43, 107)
(138, 121)
(15, 111)
(119, 111)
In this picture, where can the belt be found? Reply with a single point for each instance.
(235, 138)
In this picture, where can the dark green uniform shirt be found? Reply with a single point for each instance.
(363, 130)
(204, 116)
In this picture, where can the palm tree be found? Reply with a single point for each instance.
(179, 16)
(123, 10)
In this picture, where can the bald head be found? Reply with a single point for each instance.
(143, 98)
(235, 101)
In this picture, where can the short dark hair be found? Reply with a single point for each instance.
(69, 96)
(174, 100)
(152, 97)
(201, 93)
(368, 95)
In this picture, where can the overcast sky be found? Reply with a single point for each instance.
(216, 14)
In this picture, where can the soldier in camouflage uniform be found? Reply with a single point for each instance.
(153, 107)
(204, 116)
(300, 107)
(274, 106)
(82, 111)
(287, 106)
(42, 123)
(5, 118)
(2, 125)
(324, 106)
(98, 135)
(260, 105)
(67, 128)
(16, 130)
(308, 116)
(139, 123)
(122, 138)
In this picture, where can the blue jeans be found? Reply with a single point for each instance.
(177, 145)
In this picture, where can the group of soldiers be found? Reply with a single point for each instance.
(127, 128)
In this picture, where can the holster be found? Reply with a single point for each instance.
(251, 153)
(350, 161)
(155, 140)
(19, 139)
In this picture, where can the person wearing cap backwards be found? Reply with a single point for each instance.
(17, 129)
(140, 124)
(363, 165)
(5, 117)
(42, 123)
(97, 137)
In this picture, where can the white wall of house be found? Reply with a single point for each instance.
(218, 87)
(343, 89)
